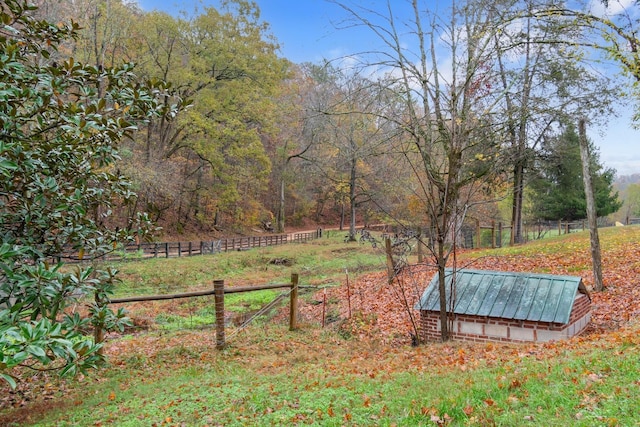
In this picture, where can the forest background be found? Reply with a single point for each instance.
(250, 138)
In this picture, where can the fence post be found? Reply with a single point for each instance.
(390, 266)
(166, 250)
(493, 234)
(478, 234)
(293, 303)
(499, 234)
(218, 287)
(179, 249)
(512, 237)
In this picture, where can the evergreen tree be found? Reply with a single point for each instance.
(61, 123)
(558, 186)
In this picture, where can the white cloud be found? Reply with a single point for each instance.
(615, 7)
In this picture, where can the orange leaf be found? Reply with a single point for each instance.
(367, 401)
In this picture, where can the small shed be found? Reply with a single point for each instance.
(509, 307)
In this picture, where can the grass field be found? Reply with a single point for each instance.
(269, 375)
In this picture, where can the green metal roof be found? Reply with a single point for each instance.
(519, 296)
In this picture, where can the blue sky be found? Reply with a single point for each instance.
(306, 31)
(303, 27)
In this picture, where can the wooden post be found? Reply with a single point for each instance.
(493, 234)
(478, 234)
(390, 267)
(499, 234)
(179, 249)
(324, 305)
(293, 303)
(512, 237)
(218, 286)
(166, 250)
(346, 272)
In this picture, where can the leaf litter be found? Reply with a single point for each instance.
(373, 315)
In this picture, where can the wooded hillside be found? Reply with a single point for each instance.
(247, 138)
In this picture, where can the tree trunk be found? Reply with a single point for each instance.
(280, 220)
(352, 200)
(592, 216)
(444, 323)
(518, 196)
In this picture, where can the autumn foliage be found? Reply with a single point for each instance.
(569, 255)
(369, 339)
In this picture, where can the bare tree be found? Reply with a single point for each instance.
(446, 130)
(352, 138)
(542, 80)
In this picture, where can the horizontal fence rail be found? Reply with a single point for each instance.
(149, 250)
(496, 234)
(219, 291)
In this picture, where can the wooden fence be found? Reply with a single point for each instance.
(179, 249)
(497, 234)
(218, 292)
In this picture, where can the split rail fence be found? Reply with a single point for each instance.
(179, 249)
(219, 291)
(497, 234)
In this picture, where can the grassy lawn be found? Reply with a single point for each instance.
(319, 262)
(275, 377)
(269, 375)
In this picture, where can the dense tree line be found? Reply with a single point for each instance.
(246, 125)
